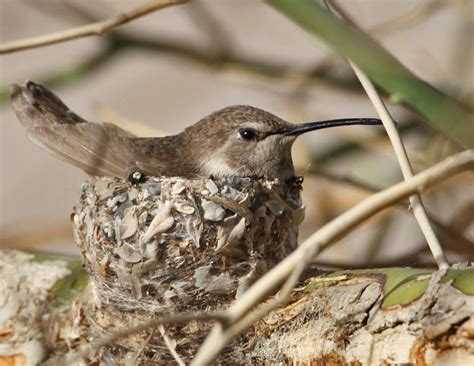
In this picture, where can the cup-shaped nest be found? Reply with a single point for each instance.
(174, 243)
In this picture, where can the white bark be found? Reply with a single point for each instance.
(24, 288)
(342, 321)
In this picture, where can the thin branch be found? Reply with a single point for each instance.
(321, 239)
(454, 240)
(98, 28)
(378, 238)
(416, 203)
(136, 360)
(449, 233)
(67, 75)
(390, 126)
(462, 218)
(240, 325)
(345, 179)
(186, 51)
(417, 14)
(171, 348)
(115, 336)
(408, 19)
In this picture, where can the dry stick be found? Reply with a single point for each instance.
(136, 360)
(170, 319)
(97, 28)
(343, 224)
(294, 264)
(416, 203)
(410, 18)
(171, 348)
(457, 241)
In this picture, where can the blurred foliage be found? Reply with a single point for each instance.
(297, 86)
(463, 280)
(117, 42)
(332, 153)
(68, 288)
(445, 113)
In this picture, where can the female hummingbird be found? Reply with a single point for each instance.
(237, 140)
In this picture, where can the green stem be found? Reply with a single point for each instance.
(385, 70)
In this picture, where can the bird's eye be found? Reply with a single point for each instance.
(248, 134)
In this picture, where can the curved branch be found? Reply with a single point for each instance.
(221, 335)
(92, 29)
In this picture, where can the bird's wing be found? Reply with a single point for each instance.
(98, 149)
(166, 156)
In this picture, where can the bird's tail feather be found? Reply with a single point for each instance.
(97, 148)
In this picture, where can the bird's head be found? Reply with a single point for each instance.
(247, 141)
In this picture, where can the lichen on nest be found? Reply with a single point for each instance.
(173, 243)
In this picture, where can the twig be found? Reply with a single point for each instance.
(240, 325)
(171, 348)
(462, 218)
(170, 319)
(186, 51)
(455, 240)
(63, 76)
(449, 233)
(321, 239)
(345, 179)
(417, 14)
(415, 201)
(408, 19)
(97, 28)
(136, 359)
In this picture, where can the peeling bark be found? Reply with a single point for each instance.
(343, 321)
(347, 323)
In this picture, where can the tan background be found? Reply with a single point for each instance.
(168, 93)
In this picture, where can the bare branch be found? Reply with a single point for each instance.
(414, 16)
(321, 239)
(240, 325)
(390, 126)
(170, 346)
(450, 234)
(92, 29)
(416, 203)
(136, 360)
(170, 319)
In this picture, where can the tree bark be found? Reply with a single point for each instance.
(370, 317)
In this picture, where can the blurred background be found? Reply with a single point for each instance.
(162, 72)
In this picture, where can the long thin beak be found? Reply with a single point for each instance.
(311, 126)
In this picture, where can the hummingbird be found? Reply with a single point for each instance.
(238, 140)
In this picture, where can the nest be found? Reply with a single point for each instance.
(167, 245)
